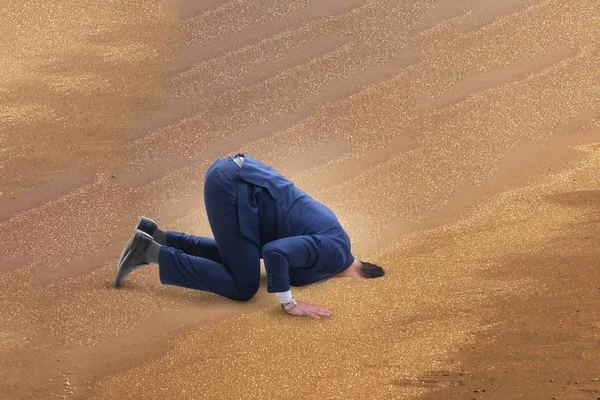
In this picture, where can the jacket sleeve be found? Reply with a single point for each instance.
(282, 254)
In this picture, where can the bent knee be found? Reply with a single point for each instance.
(245, 295)
(247, 292)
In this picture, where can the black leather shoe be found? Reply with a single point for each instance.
(134, 256)
(144, 225)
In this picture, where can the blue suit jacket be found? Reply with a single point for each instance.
(271, 207)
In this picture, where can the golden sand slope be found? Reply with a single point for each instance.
(396, 114)
(446, 289)
(73, 74)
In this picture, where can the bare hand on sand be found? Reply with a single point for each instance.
(303, 308)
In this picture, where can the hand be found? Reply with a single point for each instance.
(303, 308)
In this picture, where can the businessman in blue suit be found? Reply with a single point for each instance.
(254, 212)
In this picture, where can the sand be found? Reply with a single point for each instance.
(457, 141)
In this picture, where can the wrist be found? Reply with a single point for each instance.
(284, 297)
(291, 304)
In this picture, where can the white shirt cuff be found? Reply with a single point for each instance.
(284, 297)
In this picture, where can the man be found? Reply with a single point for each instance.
(253, 212)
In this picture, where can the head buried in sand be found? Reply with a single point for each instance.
(368, 270)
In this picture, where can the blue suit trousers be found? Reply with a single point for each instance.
(228, 265)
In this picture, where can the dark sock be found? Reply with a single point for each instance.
(160, 236)
(151, 254)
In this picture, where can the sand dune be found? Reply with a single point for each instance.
(456, 140)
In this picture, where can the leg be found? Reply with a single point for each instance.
(194, 245)
(185, 270)
(181, 269)
(238, 277)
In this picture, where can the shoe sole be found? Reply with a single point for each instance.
(120, 273)
(128, 244)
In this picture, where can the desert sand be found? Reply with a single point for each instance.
(458, 142)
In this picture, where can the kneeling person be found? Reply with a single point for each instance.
(254, 212)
